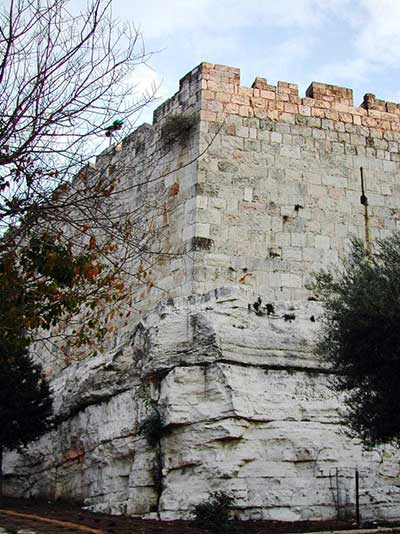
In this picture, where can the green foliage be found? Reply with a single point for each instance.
(46, 281)
(153, 428)
(55, 260)
(177, 128)
(361, 338)
(25, 399)
(213, 515)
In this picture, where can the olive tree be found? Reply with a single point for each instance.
(360, 337)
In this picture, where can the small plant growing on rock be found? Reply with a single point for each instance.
(212, 515)
(177, 128)
(153, 428)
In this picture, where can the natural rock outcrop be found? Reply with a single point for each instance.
(244, 407)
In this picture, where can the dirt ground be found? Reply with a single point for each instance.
(64, 518)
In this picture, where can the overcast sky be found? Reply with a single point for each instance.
(353, 43)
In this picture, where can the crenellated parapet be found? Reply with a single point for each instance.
(215, 90)
(330, 93)
(222, 89)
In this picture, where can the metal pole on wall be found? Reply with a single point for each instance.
(357, 476)
(364, 202)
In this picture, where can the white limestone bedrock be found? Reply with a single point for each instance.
(245, 412)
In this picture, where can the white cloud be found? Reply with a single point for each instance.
(375, 41)
(157, 18)
(379, 38)
(147, 81)
(263, 32)
(148, 84)
(357, 69)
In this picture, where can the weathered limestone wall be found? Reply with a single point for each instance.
(243, 398)
(158, 181)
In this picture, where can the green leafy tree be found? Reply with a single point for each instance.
(360, 338)
(25, 399)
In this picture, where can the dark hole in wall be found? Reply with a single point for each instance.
(202, 243)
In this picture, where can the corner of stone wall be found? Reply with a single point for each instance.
(187, 98)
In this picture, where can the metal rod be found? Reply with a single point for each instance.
(364, 202)
(362, 183)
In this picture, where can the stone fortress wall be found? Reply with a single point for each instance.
(281, 183)
(265, 190)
